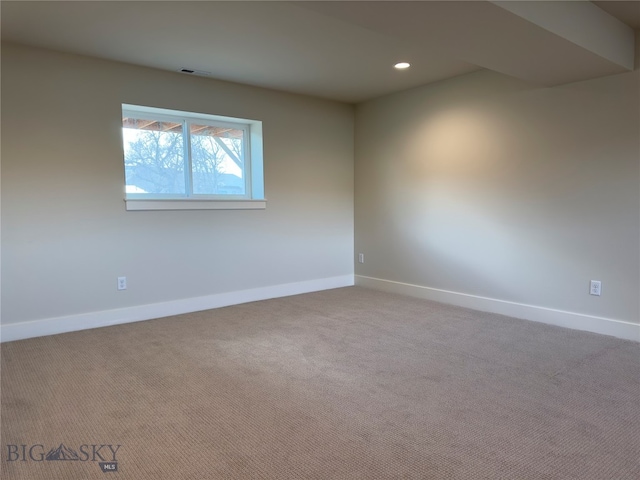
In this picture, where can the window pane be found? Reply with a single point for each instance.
(153, 156)
(217, 160)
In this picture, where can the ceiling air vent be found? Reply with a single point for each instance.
(191, 71)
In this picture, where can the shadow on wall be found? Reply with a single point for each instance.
(481, 208)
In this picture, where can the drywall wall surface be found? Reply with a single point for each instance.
(66, 236)
(486, 186)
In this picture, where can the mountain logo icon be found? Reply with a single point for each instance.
(62, 453)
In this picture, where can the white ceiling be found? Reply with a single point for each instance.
(339, 50)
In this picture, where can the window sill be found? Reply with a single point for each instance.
(188, 204)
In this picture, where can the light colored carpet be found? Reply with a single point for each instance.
(343, 384)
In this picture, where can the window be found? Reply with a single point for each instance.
(180, 160)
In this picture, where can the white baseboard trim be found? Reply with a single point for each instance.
(576, 321)
(52, 326)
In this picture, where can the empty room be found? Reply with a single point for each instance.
(320, 240)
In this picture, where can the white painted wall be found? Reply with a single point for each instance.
(481, 190)
(66, 236)
(489, 187)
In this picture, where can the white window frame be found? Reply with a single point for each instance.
(253, 175)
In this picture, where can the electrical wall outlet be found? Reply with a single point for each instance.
(361, 258)
(595, 288)
(122, 283)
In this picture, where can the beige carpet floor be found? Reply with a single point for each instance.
(343, 384)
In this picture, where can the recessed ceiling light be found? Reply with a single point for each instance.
(402, 65)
